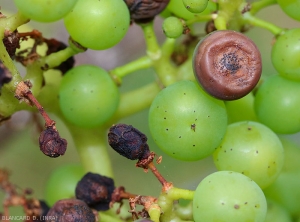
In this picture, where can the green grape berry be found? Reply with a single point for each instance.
(241, 109)
(195, 6)
(62, 182)
(252, 149)
(286, 52)
(97, 24)
(88, 96)
(229, 196)
(45, 11)
(291, 8)
(277, 213)
(177, 8)
(172, 27)
(185, 122)
(277, 104)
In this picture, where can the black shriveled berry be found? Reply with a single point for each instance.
(5, 76)
(11, 41)
(51, 144)
(145, 10)
(55, 46)
(227, 64)
(128, 141)
(70, 210)
(95, 190)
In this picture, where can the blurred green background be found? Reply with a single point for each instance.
(19, 150)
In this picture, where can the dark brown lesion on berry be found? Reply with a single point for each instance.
(128, 141)
(95, 190)
(5, 75)
(229, 63)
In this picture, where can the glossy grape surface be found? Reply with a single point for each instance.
(291, 8)
(285, 54)
(252, 149)
(45, 10)
(97, 24)
(277, 104)
(88, 96)
(229, 196)
(185, 122)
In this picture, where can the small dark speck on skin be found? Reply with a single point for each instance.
(236, 206)
(249, 128)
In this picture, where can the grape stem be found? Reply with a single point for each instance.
(119, 72)
(249, 18)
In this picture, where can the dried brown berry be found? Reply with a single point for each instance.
(227, 64)
(70, 210)
(128, 141)
(5, 76)
(51, 144)
(11, 41)
(145, 10)
(95, 190)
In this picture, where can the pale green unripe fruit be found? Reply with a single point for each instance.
(172, 27)
(195, 6)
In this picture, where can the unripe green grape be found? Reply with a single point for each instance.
(45, 11)
(291, 156)
(185, 122)
(88, 96)
(241, 109)
(172, 27)
(286, 52)
(277, 213)
(97, 24)
(291, 8)
(277, 104)
(285, 191)
(62, 182)
(229, 196)
(177, 8)
(195, 6)
(252, 149)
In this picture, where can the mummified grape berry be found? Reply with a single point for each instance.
(227, 64)
(95, 190)
(11, 42)
(70, 210)
(145, 10)
(5, 76)
(128, 141)
(51, 144)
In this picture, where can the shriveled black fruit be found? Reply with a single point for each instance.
(145, 10)
(70, 210)
(11, 42)
(128, 141)
(227, 64)
(95, 190)
(51, 144)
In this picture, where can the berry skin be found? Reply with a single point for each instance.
(227, 64)
(145, 10)
(51, 144)
(172, 27)
(128, 141)
(95, 190)
(70, 210)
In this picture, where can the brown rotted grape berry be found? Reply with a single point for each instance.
(227, 64)
(70, 210)
(95, 190)
(128, 141)
(12, 42)
(55, 46)
(51, 144)
(145, 10)
(5, 76)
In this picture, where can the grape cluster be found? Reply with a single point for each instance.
(210, 98)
